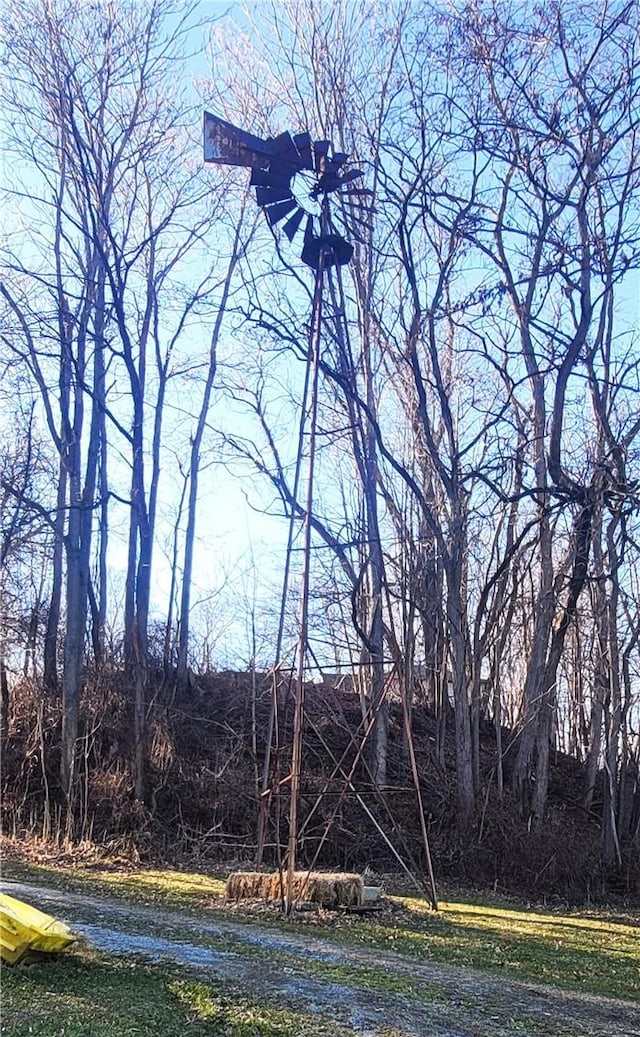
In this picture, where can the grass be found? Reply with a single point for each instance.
(599, 956)
(173, 888)
(571, 951)
(84, 994)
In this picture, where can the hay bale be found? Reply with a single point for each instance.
(348, 890)
(327, 890)
(233, 886)
(247, 885)
(273, 889)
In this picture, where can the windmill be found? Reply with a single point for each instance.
(293, 177)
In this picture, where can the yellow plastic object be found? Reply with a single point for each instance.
(23, 928)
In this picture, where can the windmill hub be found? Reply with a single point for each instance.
(304, 188)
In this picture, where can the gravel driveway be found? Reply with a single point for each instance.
(444, 1000)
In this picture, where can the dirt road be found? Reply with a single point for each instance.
(436, 1000)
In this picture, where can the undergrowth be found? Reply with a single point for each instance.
(201, 804)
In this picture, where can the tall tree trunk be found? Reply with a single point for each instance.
(194, 464)
(102, 483)
(613, 773)
(457, 637)
(4, 699)
(599, 690)
(375, 626)
(582, 547)
(540, 732)
(50, 676)
(522, 777)
(73, 653)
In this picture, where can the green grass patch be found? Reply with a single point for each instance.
(170, 887)
(84, 994)
(599, 956)
(594, 954)
(146, 886)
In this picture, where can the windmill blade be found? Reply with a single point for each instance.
(302, 142)
(332, 179)
(277, 212)
(266, 178)
(351, 174)
(268, 195)
(292, 226)
(332, 168)
(285, 154)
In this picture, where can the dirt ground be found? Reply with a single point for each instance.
(444, 1001)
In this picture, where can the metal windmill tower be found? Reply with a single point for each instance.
(293, 177)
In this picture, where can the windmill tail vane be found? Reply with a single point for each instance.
(292, 176)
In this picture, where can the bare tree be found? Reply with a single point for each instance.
(26, 534)
(104, 127)
(238, 247)
(555, 137)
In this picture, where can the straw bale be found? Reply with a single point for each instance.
(273, 888)
(247, 885)
(326, 889)
(348, 890)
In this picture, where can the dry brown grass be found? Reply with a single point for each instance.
(326, 889)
